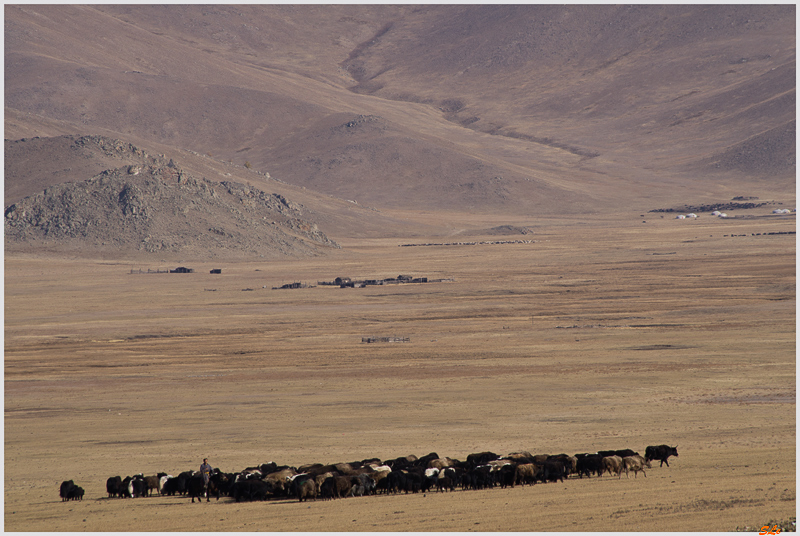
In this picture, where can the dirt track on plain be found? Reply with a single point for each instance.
(609, 335)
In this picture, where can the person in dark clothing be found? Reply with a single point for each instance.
(205, 470)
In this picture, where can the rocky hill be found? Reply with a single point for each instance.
(154, 206)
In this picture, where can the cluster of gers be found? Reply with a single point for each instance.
(408, 474)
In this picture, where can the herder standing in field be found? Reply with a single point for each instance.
(205, 470)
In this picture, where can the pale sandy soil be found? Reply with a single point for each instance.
(606, 335)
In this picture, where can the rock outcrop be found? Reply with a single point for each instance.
(157, 207)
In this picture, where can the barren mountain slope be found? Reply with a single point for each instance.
(520, 109)
(596, 79)
(368, 158)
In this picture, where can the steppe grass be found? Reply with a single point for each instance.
(610, 335)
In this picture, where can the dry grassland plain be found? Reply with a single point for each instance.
(608, 333)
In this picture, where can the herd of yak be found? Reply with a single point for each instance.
(402, 475)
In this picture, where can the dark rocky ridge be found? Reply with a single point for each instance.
(710, 207)
(156, 207)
